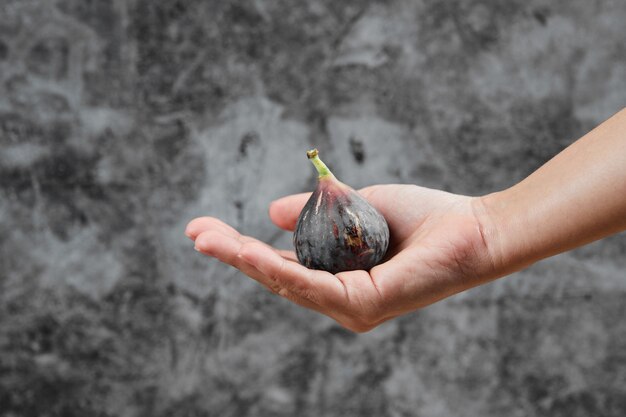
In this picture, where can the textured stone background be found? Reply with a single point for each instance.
(121, 120)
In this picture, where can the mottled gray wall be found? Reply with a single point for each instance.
(121, 120)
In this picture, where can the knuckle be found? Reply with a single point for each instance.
(276, 289)
(246, 250)
(271, 286)
(278, 272)
(294, 289)
(308, 294)
(289, 295)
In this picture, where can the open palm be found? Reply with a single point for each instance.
(437, 249)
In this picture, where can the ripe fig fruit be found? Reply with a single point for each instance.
(337, 229)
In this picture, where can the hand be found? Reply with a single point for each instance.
(437, 249)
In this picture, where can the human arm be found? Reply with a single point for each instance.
(444, 243)
(577, 197)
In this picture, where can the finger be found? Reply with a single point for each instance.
(363, 293)
(228, 249)
(203, 224)
(315, 290)
(225, 245)
(382, 197)
(366, 192)
(273, 287)
(404, 283)
(349, 313)
(284, 212)
(219, 245)
(320, 287)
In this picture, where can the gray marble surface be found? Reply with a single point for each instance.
(121, 120)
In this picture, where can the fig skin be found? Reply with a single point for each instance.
(338, 230)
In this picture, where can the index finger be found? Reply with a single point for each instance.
(284, 212)
(322, 288)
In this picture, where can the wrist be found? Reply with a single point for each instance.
(502, 227)
(575, 198)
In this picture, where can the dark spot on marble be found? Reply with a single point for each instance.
(52, 103)
(49, 58)
(541, 16)
(615, 403)
(17, 89)
(553, 126)
(102, 16)
(239, 207)
(4, 50)
(357, 149)
(298, 367)
(247, 140)
(41, 338)
(57, 132)
(244, 16)
(18, 128)
(66, 166)
(577, 404)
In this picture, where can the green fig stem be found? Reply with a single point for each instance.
(321, 167)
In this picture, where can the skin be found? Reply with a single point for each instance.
(444, 243)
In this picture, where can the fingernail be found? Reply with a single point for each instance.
(196, 249)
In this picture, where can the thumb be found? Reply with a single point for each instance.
(284, 212)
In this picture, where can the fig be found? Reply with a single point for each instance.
(338, 230)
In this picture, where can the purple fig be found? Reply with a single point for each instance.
(337, 229)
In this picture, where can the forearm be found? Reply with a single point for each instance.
(577, 197)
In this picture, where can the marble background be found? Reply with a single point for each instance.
(120, 120)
